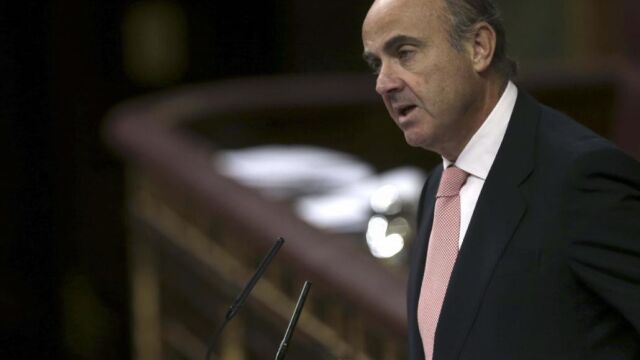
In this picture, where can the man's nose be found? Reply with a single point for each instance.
(388, 81)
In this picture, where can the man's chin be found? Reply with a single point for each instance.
(414, 140)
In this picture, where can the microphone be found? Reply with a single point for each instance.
(244, 294)
(282, 350)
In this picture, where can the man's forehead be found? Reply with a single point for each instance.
(390, 18)
(404, 7)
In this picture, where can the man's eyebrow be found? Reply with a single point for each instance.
(390, 46)
(392, 43)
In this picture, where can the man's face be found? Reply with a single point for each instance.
(427, 86)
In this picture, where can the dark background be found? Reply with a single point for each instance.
(63, 276)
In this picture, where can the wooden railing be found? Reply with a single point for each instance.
(197, 237)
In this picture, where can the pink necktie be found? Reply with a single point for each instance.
(441, 255)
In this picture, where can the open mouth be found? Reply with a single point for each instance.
(405, 110)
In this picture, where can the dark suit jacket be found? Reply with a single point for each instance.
(550, 264)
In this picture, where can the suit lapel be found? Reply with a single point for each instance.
(496, 216)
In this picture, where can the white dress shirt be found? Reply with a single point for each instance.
(478, 155)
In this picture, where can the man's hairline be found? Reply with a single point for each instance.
(445, 13)
(456, 40)
(447, 16)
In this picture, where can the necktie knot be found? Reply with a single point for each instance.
(452, 181)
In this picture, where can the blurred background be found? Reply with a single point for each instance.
(155, 149)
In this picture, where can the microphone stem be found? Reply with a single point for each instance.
(282, 350)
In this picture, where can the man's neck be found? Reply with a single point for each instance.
(477, 115)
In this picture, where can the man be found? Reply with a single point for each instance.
(529, 232)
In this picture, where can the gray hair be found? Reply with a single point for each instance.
(464, 14)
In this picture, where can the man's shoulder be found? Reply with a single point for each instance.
(575, 148)
(565, 137)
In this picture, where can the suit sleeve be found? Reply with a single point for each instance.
(604, 228)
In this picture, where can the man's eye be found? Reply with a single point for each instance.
(375, 67)
(405, 54)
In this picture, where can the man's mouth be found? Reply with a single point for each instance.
(405, 110)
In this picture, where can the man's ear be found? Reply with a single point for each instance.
(483, 46)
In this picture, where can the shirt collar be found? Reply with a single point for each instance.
(478, 155)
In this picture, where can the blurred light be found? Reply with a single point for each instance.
(399, 225)
(380, 244)
(293, 170)
(376, 229)
(389, 247)
(385, 200)
(333, 212)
